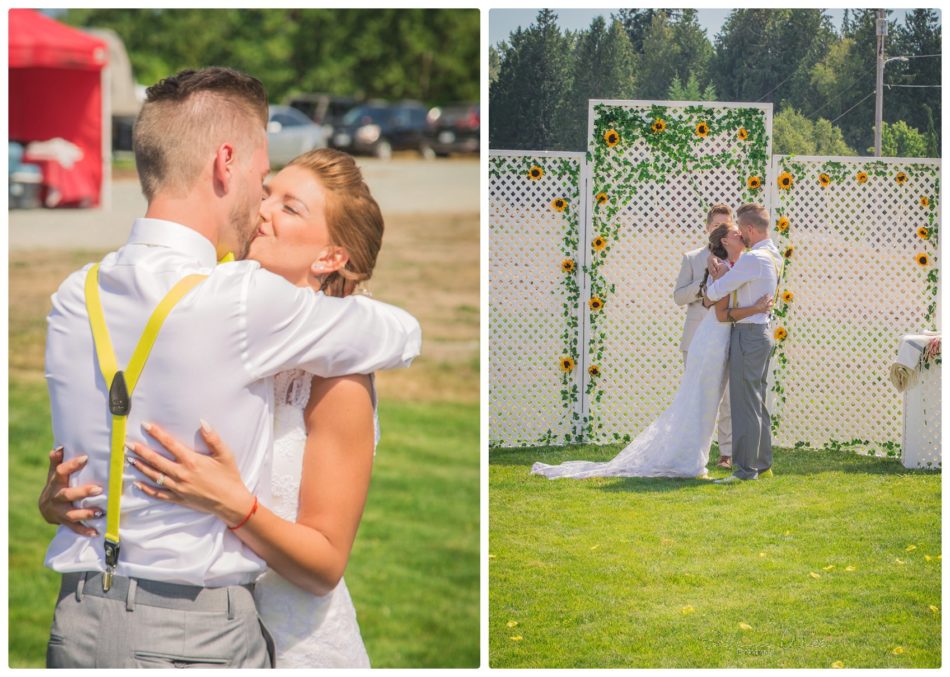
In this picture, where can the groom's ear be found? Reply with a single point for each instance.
(330, 260)
(223, 168)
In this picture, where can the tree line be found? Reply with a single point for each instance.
(426, 54)
(820, 79)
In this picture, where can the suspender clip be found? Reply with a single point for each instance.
(120, 404)
(112, 558)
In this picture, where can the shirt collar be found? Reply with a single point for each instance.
(762, 243)
(161, 233)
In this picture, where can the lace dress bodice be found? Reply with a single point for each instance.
(676, 443)
(309, 631)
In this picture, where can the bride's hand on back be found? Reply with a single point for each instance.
(764, 304)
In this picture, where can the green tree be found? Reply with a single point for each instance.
(672, 48)
(636, 22)
(795, 134)
(919, 37)
(691, 91)
(533, 80)
(604, 67)
(901, 140)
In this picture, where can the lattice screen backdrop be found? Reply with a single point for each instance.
(862, 271)
(534, 221)
(656, 169)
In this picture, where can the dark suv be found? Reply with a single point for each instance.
(455, 128)
(380, 128)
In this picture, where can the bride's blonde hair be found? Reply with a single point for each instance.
(354, 220)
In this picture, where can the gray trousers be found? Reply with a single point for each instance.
(749, 352)
(147, 624)
(724, 420)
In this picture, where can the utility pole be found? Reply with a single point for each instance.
(879, 90)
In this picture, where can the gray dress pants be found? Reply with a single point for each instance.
(749, 353)
(148, 624)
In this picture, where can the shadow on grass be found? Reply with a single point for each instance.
(795, 462)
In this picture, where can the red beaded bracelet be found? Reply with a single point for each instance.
(249, 515)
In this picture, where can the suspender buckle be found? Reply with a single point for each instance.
(112, 558)
(119, 402)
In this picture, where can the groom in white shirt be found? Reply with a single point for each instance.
(754, 275)
(181, 590)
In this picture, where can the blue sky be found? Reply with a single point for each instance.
(503, 22)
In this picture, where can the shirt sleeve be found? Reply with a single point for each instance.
(745, 270)
(292, 327)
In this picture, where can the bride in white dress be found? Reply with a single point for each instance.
(320, 227)
(677, 443)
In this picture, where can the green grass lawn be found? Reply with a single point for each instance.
(414, 571)
(834, 559)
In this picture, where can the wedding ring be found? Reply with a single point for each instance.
(161, 480)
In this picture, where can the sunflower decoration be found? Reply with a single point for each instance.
(567, 364)
(923, 233)
(611, 138)
(922, 259)
(595, 303)
(787, 296)
(789, 251)
(567, 265)
(599, 243)
(824, 180)
(754, 182)
(535, 173)
(593, 370)
(743, 134)
(559, 204)
(861, 177)
(782, 224)
(901, 178)
(658, 126)
(785, 181)
(601, 198)
(702, 129)
(924, 201)
(781, 333)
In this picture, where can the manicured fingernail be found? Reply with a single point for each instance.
(131, 461)
(83, 458)
(205, 426)
(98, 513)
(137, 485)
(147, 426)
(59, 448)
(95, 491)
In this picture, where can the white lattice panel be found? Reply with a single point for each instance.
(858, 287)
(533, 306)
(659, 182)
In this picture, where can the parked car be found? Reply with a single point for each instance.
(290, 133)
(455, 128)
(380, 128)
(327, 110)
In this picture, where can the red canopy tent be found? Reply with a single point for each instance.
(56, 90)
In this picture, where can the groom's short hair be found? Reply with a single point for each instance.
(753, 214)
(718, 208)
(186, 116)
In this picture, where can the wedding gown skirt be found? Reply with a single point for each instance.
(309, 631)
(677, 443)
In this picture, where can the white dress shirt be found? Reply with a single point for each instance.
(214, 359)
(754, 275)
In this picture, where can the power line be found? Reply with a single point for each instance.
(921, 56)
(837, 98)
(776, 87)
(853, 107)
(915, 86)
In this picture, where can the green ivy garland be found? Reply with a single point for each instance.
(674, 138)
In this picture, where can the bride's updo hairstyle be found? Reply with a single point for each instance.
(354, 221)
(715, 240)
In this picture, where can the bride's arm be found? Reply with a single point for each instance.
(726, 314)
(313, 551)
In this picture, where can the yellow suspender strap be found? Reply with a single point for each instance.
(121, 385)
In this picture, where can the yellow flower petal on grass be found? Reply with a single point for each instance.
(898, 650)
(516, 638)
(814, 575)
(829, 567)
(928, 557)
(934, 609)
(838, 664)
(899, 560)
(745, 626)
(939, 556)
(910, 547)
(491, 556)
(761, 554)
(688, 609)
(595, 546)
(512, 624)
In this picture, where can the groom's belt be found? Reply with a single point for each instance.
(142, 591)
